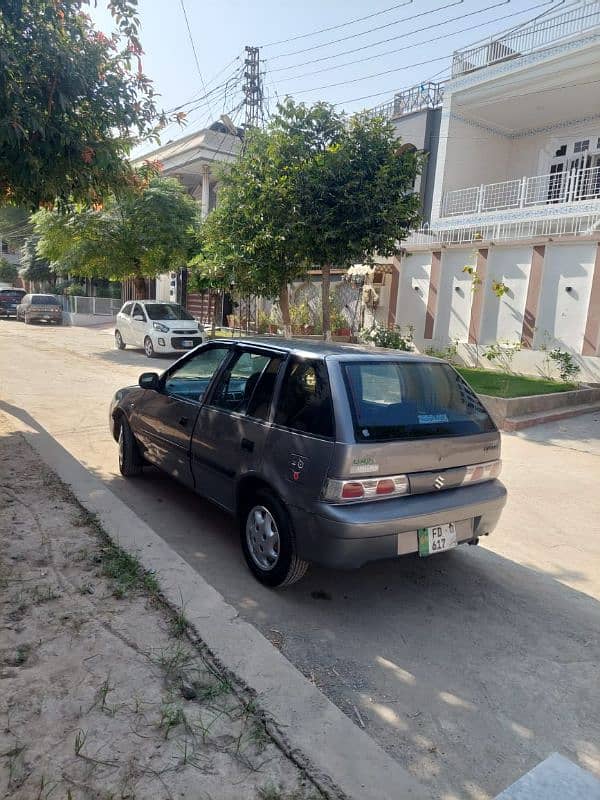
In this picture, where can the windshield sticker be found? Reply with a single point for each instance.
(431, 419)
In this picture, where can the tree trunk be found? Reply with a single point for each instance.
(284, 305)
(325, 283)
(139, 283)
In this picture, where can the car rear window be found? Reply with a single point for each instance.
(404, 400)
(44, 300)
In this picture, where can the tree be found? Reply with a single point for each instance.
(353, 192)
(249, 238)
(34, 268)
(15, 226)
(8, 272)
(139, 234)
(73, 101)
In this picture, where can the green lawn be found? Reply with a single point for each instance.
(499, 384)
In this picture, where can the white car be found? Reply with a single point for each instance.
(157, 327)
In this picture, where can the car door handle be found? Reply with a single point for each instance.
(183, 421)
(247, 445)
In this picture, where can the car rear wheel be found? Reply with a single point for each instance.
(269, 543)
(149, 347)
(130, 458)
(119, 343)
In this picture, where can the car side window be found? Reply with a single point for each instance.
(190, 381)
(237, 384)
(138, 311)
(127, 309)
(259, 404)
(305, 399)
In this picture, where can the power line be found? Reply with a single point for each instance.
(414, 44)
(191, 38)
(336, 27)
(369, 30)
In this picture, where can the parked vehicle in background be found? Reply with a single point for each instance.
(40, 308)
(157, 327)
(9, 300)
(330, 454)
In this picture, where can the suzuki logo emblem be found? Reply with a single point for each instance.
(439, 482)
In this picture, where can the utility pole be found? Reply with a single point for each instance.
(252, 88)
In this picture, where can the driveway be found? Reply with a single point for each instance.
(469, 667)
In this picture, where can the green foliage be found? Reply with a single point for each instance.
(300, 315)
(8, 272)
(15, 225)
(565, 363)
(499, 288)
(449, 353)
(475, 279)
(393, 338)
(502, 354)
(141, 232)
(498, 384)
(73, 101)
(33, 267)
(314, 188)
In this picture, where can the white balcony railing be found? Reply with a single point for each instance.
(424, 95)
(538, 190)
(527, 38)
(587, 225)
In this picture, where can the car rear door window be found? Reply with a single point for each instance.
(191, 380)
(305, 399)
(404, 400)
(259, 404)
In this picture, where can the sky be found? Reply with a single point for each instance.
(413, 43)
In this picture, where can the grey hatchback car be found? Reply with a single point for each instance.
(332, 454)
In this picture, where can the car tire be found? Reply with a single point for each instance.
(130, 458)
(119, 342)
(149, 348)
(274, 564)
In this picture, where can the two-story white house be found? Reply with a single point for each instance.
(512, 190)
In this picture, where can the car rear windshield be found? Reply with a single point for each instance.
(44, 300)
(404, 400)
(16, 292)
(159, 311)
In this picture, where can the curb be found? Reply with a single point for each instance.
(343, 760)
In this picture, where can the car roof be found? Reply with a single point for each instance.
(331, 350)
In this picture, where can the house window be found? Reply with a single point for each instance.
(562, 151)
(582, 146)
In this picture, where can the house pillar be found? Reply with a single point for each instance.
(591, 337)
(432, 297)
(205, 191)
(393, 299)
(534, 289)
(478, 296)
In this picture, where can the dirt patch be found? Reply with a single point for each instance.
(102, 693)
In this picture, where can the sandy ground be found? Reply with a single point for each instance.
(102, 694)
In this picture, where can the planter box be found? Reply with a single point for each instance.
(515, 413)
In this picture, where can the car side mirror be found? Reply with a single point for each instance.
(149, 380)
(138, 318)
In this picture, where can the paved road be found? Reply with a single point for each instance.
(469, 668)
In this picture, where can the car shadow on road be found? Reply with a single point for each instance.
(133, 358)
(467, 667)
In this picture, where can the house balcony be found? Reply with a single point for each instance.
(576, 19)
(551, 194)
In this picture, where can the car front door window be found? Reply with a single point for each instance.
(191, 380)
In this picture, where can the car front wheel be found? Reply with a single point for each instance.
(130, 458)
(149, 347)
(119, 343)
(268, 542)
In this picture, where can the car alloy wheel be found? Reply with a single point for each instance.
(148, 347)
(262, 538)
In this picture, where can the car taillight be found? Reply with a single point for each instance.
(482, 472)
(337, 491)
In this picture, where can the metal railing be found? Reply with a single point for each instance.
(551, 188)
(424, 95)
(584, 225)
(98, 306)
(528, 38)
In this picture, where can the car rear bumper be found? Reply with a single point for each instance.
(51, 316)
(347, 536)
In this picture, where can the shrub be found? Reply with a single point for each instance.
(565, 363)
(502, 354)
(392, 338)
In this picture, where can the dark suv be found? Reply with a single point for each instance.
(9, 300)
(327, 453)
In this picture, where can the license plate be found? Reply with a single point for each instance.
(437, 539)
(187, 343)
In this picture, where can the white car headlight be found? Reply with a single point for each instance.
(159, 327)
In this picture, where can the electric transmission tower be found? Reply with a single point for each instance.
(252, 88)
